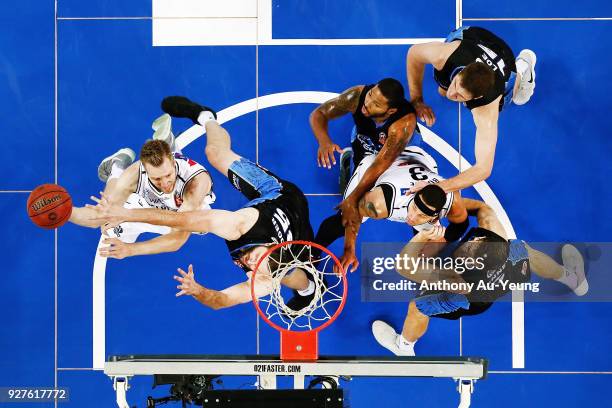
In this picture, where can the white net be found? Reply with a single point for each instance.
(302, 312)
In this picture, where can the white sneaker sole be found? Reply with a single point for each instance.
(163, 128)
(110, 158)
(572, 260)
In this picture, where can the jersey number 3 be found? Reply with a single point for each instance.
(418, 173)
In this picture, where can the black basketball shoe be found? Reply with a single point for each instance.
(298, 302)
(181, 107)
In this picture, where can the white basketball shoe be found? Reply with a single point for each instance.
(123, 158)
(527, 84)
(573, 262)
(386, 336)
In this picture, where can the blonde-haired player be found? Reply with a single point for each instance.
(162, 178)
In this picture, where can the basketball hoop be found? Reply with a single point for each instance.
(299, 328)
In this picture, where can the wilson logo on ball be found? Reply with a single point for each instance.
(43, 202)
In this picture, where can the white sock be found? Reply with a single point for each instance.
(116, 171)
(568, 278)
(522, 67)
(205, 116)
(309, 290)
(404, 344)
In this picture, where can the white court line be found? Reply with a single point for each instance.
(243, 108)
(15, 191)
(102, 18)
(458, 13)
(458, 23)
(351, 41)
(55, 274)
(540, 19)
(99, 308)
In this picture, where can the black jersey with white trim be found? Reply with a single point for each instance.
(284, 218)
(479, 45)
(515, 269)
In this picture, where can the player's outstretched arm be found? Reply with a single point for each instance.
(117, 193)
(226, 224)
(344, 103)
(418, 56)
(195, 191)
(215, 299)
(485, 118)
(85, 217)
(349, 260)
(400, 134)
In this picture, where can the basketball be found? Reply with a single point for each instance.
(49, 206)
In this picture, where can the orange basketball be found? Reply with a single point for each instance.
(49, 206)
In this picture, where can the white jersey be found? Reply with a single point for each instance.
(186, 170)
(148, 196)
(412, 166)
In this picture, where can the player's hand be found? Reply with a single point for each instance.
(108, 226)
(424, 112)
(325, 154)
(434, 234)
(350, 214)
(349, 261)
(187, 283)
(116, 249)
(418, 186)
(105, 211)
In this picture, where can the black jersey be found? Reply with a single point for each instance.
(284, 218)
(479, 45)
(371, 136)
(514, 270)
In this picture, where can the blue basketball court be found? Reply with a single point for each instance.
(82, 79)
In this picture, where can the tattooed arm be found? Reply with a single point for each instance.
(344, 103)
(400, 134)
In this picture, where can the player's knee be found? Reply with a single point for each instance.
(213, 154)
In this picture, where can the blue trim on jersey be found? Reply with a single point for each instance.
(441, 303)
(517, 251)
(456, 34)
(266, 185)
(456, 71)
